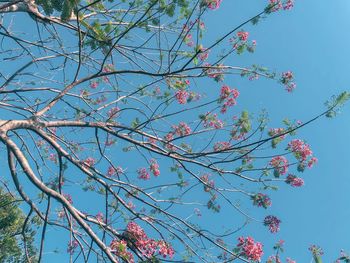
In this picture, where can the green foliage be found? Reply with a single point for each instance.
(65, 8)
(12, 233)
(336, 103)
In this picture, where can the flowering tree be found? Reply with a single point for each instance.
(127, 126)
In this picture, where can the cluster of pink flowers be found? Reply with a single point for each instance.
(261, 200)
(302, 153)
(154, 167)
(209, 184)
(250, 249)
(114, 171)
(146, 245)
(213, 4)
(89, 161)
(210, 120)
(94, 84)
(228, 97)
(311, 162)
(143, 174)
(221, 146)
(240, 43)
(242, 35)
(287, 79)
(280, 165)
(181, 96)
(273, 223)
(278, 5)
(108, 68)
(119, 248)
(182, 129)
(294, 181)
(289, 260)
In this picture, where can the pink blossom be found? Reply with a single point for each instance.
(221, 146)
(289, 260)
(242, 35)
(300, 149)
(89, 161)
(93, 84)
(143, 174)
(273, 223)
(294, 181)
(213, 4)
(182, 129)
(250, 249)
(261, 200)
(154, 167)
(312, 161)
(181, 96)
(280, 165)
(165, 249)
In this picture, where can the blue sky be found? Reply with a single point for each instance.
(312, 40)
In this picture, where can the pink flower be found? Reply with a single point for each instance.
(164, 249)
(261, 200)
(181, 96)
(228, 96)
(300, 149)
(111, 171)
(143, 174)
(273, 223)
(250, 249)
(288, 5)
(312, 161)
(93, 84)
(242, 35)
(280, 165)
(294, 181)
(154, 167)
(289, 260)
(213, 4)
(89, 161)
(146, 245)
(182, 129)
(221, 146)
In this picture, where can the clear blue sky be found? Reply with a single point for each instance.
(312, 40)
